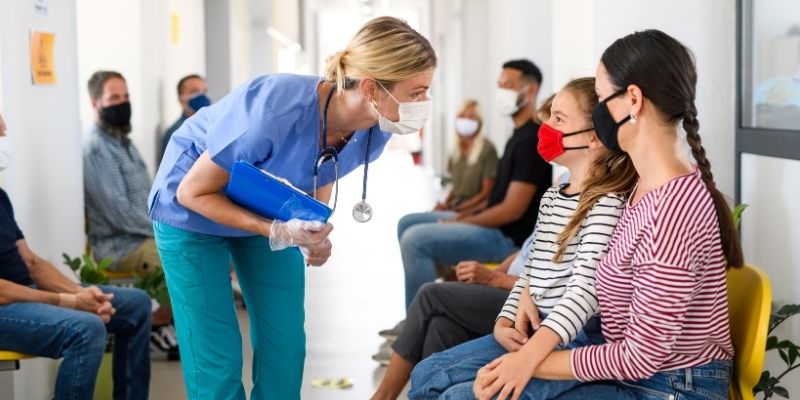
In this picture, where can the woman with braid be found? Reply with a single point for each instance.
(661, 287)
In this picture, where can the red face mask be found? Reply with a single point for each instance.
(551, 142)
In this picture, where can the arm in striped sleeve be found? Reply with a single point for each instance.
(579, 302)
(661, 298)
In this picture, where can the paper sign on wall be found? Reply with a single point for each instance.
(43, 69)
(40, 8)
(175, 28)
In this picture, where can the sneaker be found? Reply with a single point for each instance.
(392, 333)
(164, 343)
(384, 354)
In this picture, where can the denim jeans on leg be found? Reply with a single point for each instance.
(80, 337)
(450, 374)
(131, 329)
(424, 243)
(705, 382)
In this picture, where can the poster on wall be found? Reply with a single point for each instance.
(43, 70)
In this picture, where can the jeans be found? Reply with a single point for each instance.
(705, 382)
(80, 338)
(196, 266)
(451, 374)
(424, 243)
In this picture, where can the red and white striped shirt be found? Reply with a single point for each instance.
(661, 287)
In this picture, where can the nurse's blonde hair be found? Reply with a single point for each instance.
(386, 49)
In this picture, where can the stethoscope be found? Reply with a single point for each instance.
(362, 212)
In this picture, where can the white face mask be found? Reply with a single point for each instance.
(413, 116)
(466, 126)
(506, 101)
(6, 152)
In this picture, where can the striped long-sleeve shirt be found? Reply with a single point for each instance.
(565, 291)
(662, 288)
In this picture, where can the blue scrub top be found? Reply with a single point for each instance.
(272, 122)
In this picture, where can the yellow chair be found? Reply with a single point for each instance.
(9, 360)
(121, 278)
(749, 303)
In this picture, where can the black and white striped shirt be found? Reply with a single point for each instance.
(566, 291)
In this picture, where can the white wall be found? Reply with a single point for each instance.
(516, 29)
(770, 236)
(183, 55)
(45, 181)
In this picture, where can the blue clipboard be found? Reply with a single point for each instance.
(268, 196)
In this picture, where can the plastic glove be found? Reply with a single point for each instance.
(295, 232)
(317, 255)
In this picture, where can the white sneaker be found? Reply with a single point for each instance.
(384, 354)
(394, 332)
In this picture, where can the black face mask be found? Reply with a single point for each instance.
(118, 116)
(605, 126)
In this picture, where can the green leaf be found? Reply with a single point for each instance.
(793, 353)
(737, 214)
(784, 356)
(772, 343)
(789, 310)
(105, 263)
(781, 391)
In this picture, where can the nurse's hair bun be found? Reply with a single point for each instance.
(385, 49)
(334, 68)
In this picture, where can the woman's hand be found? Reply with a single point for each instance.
(508, 337)
(295, 232)
(507, 375)
(527, 320)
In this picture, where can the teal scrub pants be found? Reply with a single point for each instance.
(273, 283)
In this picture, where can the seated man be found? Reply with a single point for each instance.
(116, 186)
(447, 314)
(45, 314)
(192, 94)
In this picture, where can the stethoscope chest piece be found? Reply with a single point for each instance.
(362, 212)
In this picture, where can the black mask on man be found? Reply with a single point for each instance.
(118, 116)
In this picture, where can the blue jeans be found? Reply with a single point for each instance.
(706, 382)
(424, 243)
(451, 374)
(80, 338)
(196, 266)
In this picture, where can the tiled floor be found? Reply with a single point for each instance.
(357, 293)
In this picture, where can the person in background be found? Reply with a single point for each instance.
(472, 165)
(116, 184)
(193, 95)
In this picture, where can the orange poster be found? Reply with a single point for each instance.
(43, 70)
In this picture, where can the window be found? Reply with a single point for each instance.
(768, 88)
